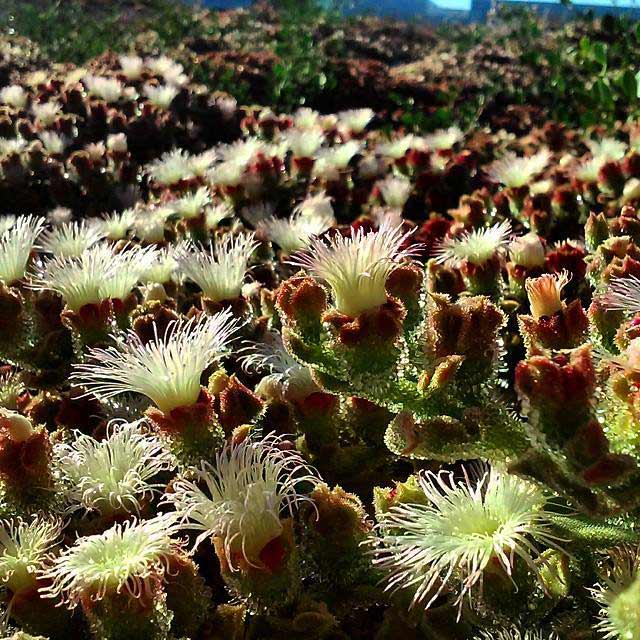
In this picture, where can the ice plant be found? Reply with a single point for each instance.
(527, 251)
(356, 267)
(513, 171)
(356, 120)
(243, 497)
(108, 89)
(123, 569)
(25, 549)
(171, 168)
(295, 233)
(476, 247)
(219, 270)
(457, 529)
(71, 239)
(191, 205)
(617, 595)
(162, 95)
(97, 274)
(514, 633)
(544, 293)
(395, 191)
(46, 113)
(16, 247)
(132, 66)
(623, 294)
(15, 96)
(116, 225)
(116, 475)
(167, 369)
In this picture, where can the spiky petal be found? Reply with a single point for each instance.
(356, 267)
(462, 527)
(623, 294)
(16, 245)
(242, 497)
(127, 558)
(477, 246)
(167, 369)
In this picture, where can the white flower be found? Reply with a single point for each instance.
(16, 246)
(96, 151)
(395, 191)
(216, 213)
(527, 251)
(463, 527)
(295, 233)
(317, 206)
(15, 96)
(242, 152)
(270, 356)
(149, 224)
(623, 294)
(132, 66)
(617, 595)
(356, 120)
(116, 474)
(162, 95)
(477, 246)
(165, 67)
(116, 225)
(588, 171)
(6, 222)
(513, 633)
(220, 270)
(330, 161)
(304, 142)
(170, 168)
(167, 369)
(443, 139)
(11, 387)
(97, 274)
(513, 171)
(25, 548)
(242, 497)
(70, 239)
(53, 142)
(306, 118)
(607, 149)
(9, 146)
(226, 174)
(192, 204)
(117, 142)
(46, 113)
(108, 89)
(162, 268)
(356, 267)
(397, 148)
(544, 293)
(127, 558)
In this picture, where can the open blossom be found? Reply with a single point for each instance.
(166, 369)
(477, 246)
(607, 149)
(16, 246)
(46, 113)
(53, 142)
(356, 267)
(513, 171)
(116, 225)
(132, 66)
(243, 496)
(97, 274)
(462, 527)
(304, 143)
(617, 595)
(295, 233)
(15, 96)
(127, 558)
(544, 293)
(116, 474)
(161, 95)
(219, 270)
(171, 168)
(443, 139)
(331, 160)
(162, 268)
(395, 191)
(191, 205)
(623, 294)
(108, 89)
(9, 146)
(396, 148)
(25, 548)
(70, 239)
(356, 120)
